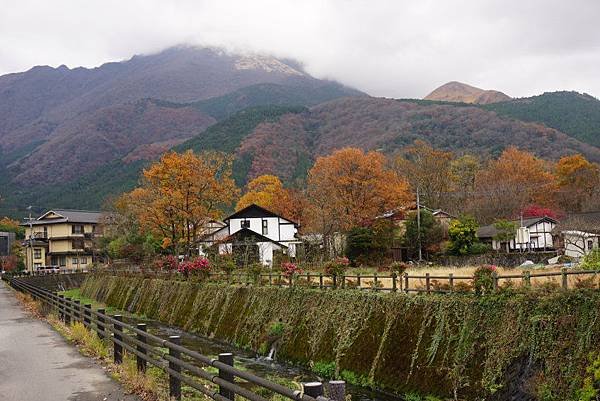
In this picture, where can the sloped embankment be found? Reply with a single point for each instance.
(509, 346)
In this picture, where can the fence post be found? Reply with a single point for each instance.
(77, 310)
(291, 280)
(87, 313)
(308, 278)
(494, 281)
(270, 278)
(141, 362)
(227, 359)
(321, 280)
(67, 311)
(343, 278)
(313, 389)
(451, 282)
(375, 281)
(394, 284)
(427, 283)
(358, 280)
(61, 307)
(565, 279)
(406, 283)
(337, 390)
(100, 325)
(334, 277)
(118, 348)
(174, 382)
(527, 278)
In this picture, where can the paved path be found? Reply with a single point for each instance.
(37, 364)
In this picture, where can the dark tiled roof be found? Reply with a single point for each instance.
(254, 210)
(250, 235)
(490, 231)
(68, 216)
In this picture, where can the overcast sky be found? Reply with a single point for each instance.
(386, 48)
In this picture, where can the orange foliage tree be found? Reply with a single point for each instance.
(429, 170)
(578, 181)
(180, 194)
(350, 187)
(510, 183)
(268, 191)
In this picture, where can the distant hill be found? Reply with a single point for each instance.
(575, 114)
(285, 147)
(463, 93)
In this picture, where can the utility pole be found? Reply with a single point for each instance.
(30, 240)
(419, 226)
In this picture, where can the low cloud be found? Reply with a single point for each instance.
(386, 48)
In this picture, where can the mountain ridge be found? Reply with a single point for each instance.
(459, 92)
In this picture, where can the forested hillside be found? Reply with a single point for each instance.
(575, 114)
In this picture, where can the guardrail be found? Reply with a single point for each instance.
(390, 282)
(181, 364)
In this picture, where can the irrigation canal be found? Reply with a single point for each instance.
(258, 365)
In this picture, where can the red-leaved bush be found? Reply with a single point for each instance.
(168, 262)
(290, 269)
(337, 266)
(200, 266)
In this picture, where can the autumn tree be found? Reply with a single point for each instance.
(268, 191)
(180, 194)
(510, 183)
(429, 170)
(349, 187)
(463, 172)
(578, 182)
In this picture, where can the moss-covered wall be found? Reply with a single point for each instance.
(528, 345)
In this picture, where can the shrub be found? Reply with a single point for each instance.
(591, 261)
(255, 270)
(325, 370)
(168, 262)
(337, 266)
(199, 266)
(483, 279)
(227, 264)
(290, 269)
(399, 267)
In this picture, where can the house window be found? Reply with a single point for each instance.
(245, 223)
(590, 244)
(265, 227)
(74, 261)
(37, 265)
(77, 244)
(77, 229)
(37, 253)
(83, 260)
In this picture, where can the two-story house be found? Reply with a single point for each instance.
(61, 239)
(257, 230)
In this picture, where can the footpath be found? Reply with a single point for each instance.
(37, 364)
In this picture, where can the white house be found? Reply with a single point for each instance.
(534, 234)
(256, 230)
(579, 233)
(579, 243)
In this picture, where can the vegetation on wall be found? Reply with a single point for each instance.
(528, 345)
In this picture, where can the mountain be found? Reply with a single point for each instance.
(463, 93)
(57, 125)
(575, 114)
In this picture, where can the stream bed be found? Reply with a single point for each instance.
(259, 365)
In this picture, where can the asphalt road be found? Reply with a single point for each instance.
(37, 364)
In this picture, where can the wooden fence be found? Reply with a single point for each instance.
(390, 282)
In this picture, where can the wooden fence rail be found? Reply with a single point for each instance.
(181, 364)
(389, 282)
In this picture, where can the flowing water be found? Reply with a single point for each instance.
(261, 366)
